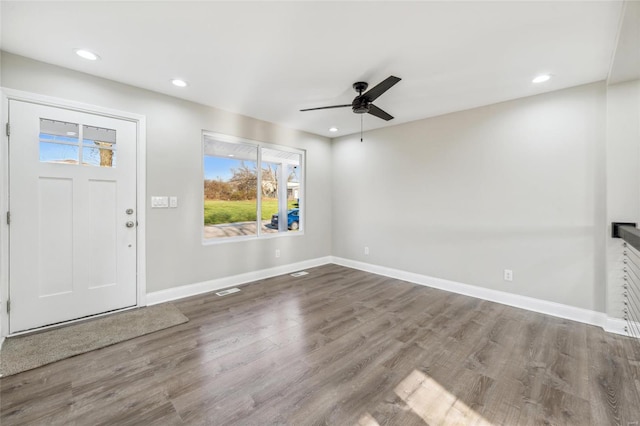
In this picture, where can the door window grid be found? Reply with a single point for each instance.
(67, 143)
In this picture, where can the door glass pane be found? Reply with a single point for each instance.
(58, 141)
(58, 153)
(230, 189)
(101, 157)
(99, 146)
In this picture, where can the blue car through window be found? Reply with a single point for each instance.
(293, 220)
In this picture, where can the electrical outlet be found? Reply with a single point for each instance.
(277, 252)
(173, 202)
(366, 251)
(508, 275)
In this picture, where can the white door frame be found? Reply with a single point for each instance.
(140, 120)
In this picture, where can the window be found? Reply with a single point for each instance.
(60, 142)
(249, 187)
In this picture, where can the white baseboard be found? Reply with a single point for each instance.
(220, 283)
(600, 319)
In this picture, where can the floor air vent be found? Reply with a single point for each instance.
(299, 274)
(228, 291)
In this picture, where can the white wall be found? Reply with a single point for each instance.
(517, 185)
(623, 178)
(175, 254)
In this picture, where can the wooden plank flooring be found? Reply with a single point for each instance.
(341, 347)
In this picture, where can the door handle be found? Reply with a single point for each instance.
(130, 224)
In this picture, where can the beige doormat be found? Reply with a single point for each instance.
(23, 353)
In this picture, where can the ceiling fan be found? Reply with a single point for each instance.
(363, 102)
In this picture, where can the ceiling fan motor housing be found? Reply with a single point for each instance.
(360, 105)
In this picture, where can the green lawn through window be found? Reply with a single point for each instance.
(219, 211)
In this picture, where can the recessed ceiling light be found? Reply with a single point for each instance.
(71, 133)
(333, 129)
(87, 54)
(230, 155)
(179, 83)
(541, 78)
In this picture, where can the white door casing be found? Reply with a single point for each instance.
(71, 253)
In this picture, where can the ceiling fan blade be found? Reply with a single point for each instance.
(327, 107)
(374, 110)
(382, 87)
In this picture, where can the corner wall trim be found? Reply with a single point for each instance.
(220, 283)
(600, 319)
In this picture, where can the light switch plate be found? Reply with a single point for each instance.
(173, 202)
(159, 202)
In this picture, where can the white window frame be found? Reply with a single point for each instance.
(259, 146)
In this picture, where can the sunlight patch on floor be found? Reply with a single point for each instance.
(367, 420)
(434, 404)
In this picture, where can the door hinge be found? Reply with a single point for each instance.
(8, 127)
(8, 218)
(8, 305)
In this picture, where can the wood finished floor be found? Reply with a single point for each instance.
(341, 347)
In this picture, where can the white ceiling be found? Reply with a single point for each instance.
(269, 59)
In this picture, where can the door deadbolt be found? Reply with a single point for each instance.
(130, 224)
(129, 211)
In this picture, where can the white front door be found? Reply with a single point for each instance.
(72, 202)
